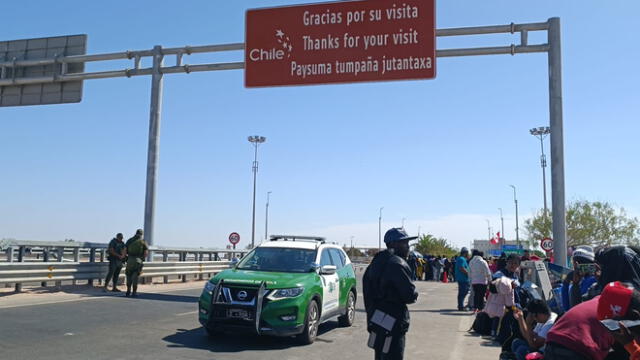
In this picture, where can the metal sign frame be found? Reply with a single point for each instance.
(158, 70)
(36, 49)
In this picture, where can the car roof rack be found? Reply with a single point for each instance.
(297, 238)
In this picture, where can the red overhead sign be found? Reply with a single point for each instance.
(340, 42)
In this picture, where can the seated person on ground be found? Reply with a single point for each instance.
(534, 328)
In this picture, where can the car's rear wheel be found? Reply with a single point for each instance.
(347, 319)
(311, 324)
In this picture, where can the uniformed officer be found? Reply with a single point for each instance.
(388, 288)
(116, 254)
(137, 251)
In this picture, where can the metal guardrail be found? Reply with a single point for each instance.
(38, 261)
(18, 273)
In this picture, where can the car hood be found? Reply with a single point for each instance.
(273, 280)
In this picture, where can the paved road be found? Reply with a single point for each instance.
(162, 326)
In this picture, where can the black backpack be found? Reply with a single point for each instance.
(482, 324)
(508, 330)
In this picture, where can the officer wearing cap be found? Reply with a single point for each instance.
(388, 288)
(137, 251)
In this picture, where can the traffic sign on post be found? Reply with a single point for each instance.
(234, 238)
(340, 42)
(546, 244)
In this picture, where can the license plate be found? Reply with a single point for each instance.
(237, 314)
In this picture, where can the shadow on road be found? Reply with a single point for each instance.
(168, 297)
(446, 312)
(228, 343)
(486, 340)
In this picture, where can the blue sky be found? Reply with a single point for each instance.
(440, 153)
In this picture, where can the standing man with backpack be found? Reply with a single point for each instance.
(387, 289)
(137, 251)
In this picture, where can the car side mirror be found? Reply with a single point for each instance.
(328, 270)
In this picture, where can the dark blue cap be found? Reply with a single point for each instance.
(397, 234)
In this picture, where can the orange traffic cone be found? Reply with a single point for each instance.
(445, 277)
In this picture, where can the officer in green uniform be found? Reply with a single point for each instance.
(137, 251)
(116, 254)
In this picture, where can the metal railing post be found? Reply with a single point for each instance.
(165, 258)
(557, 143)
(18, 286)
(184, 258)
(92, 260)
(102, 256)
(60, 259)
(154, 144)
(45, 258)
(76, 258)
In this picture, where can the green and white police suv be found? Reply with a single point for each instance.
(284, 287)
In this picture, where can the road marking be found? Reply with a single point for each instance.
(89, 297)
(188, 313)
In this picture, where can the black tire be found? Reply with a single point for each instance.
(348, 318)
(311, 324)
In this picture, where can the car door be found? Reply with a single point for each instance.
(330, 284)
(345, 275)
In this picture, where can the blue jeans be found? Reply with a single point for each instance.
(520, 348)
(463, 290)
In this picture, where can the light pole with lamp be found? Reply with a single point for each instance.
(541, 133)
(266, 218)
(488, 228)
(501, 226)
(515, 200)
(380, 230)
(256, 141)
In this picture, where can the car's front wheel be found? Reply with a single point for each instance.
(347, 319)
(311, 324)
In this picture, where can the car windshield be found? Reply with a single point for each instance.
(279, 259)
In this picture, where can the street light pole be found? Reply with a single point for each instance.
(501, 226)
(266, 218)
(515, 200)
(541, 133)
(488, 228)
(380, 230)
(256, 141)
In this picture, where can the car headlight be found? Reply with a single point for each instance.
(279, 294)
(209, 286)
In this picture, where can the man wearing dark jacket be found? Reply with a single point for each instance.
(388, 288)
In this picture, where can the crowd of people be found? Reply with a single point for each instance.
(592, 315)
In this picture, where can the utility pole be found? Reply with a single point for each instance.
(515, 200)
(380, 230)
(266, 218)
(256, 141)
